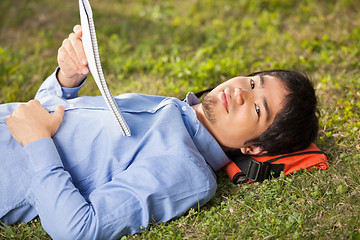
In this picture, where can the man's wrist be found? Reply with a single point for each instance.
(69, 82)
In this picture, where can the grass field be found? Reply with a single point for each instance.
(171, 47)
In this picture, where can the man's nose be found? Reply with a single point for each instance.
(242, 95)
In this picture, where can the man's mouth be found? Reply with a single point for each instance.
(225, 98)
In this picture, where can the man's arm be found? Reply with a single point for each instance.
(30, 122)
(68, 78)
(124, 205)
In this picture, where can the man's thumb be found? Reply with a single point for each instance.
(59, 113)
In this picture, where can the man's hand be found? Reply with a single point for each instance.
(72, 60)
(30, 122)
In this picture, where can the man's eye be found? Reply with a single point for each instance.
(257, 109)
(252, 84)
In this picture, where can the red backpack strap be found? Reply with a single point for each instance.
(245, 168)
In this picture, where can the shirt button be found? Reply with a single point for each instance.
(183, 108)
(150, 111)
(71, 105)
(68, 95)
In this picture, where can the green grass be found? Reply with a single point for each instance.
(171, 47)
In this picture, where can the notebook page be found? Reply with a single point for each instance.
(92, 54)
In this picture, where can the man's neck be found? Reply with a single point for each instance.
(199, 113)
(201, 117)
(205, 122)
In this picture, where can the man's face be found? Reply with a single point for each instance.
(242, 108)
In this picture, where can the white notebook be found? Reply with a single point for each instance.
(94, 64)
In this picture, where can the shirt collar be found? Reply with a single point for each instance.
(191, 99)
(205, 142)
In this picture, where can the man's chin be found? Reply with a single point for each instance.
(208, 103)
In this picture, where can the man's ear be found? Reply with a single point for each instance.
(252, 150)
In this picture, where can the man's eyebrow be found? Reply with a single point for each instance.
(262, 80)
(266, 105)
(267, 110)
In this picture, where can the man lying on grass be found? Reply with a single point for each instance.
(64, 158)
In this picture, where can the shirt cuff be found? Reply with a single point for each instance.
(69, 93)
(43, 154)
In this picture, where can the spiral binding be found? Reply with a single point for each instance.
(109, 98)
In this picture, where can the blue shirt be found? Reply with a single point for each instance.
(90, 182)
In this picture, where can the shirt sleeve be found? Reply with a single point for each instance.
(51, 86)
(156, 190)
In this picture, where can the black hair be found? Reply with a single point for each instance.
(296, 126)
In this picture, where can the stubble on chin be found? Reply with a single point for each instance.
(208, 103)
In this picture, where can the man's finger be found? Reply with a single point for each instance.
(77, 28)
(34, 102)
(66, 63)
(71, 60)
(59, 113)
(8, 118)
(79, 49)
